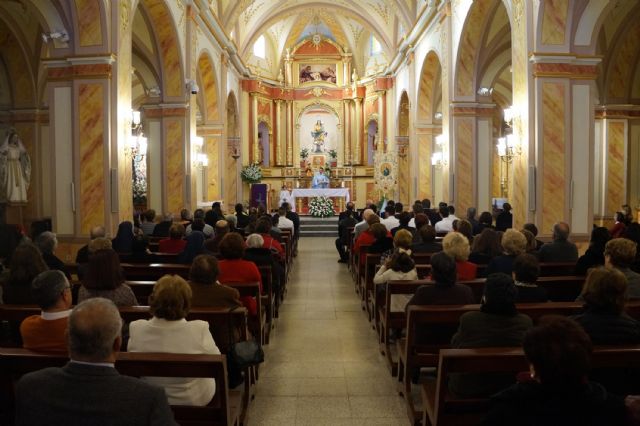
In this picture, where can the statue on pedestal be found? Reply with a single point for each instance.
(318, 134)
(15, 169)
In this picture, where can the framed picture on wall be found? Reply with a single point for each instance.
(325, 72)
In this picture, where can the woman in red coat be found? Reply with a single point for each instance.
(176, 242)
(234, 269)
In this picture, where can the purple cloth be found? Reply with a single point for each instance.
(258, 194)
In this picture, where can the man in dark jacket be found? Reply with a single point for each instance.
(89, 390)
(348, 221)
(560, 249)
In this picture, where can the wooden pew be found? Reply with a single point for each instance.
(154, 271)
(557, 269)
(159, 257)
(371, 264)
(224, 409)
(443, 408)
(412, 354)
(226, 326)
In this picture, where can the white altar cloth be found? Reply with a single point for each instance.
(317, 192)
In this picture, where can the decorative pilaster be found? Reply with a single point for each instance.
(357, 151)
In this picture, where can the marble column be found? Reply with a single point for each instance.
(357, 149)
(564, 144)
(279, 131)
(255, 147)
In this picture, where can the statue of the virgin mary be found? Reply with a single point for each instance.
(15, 169)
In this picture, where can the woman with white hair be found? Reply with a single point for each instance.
(262, 256)
(47, 243)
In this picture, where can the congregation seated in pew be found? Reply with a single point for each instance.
(514, 243)
(123, 241)
(594, 256)
(206, 289)
(619, 254)
(169, 332)
(48, 331)
(234, 269)
(486, 246)
(496, 324)
(526, 270)
(604, 319)
(221, 228)
(89, 390)
(558, 391)
(175, 243)
(399, 266)
(193, 248)
(261, 256)
(104, 278)
(428, 243)
(456, 246)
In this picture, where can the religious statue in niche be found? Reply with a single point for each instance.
(15, 169)
(318, 134)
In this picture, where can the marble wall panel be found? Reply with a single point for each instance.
(424, 166)
(554, 21)
(89, 22)
(209, 88)
(554, 154)
(615, 158)
(464, 168)
(92, 186)
(231, 181)
(212, 147)
(623, 63)
(175, 176)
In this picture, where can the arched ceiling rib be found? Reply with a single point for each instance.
(346, 22)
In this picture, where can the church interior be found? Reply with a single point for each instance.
(113, 108)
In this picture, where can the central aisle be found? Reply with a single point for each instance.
(322, 364)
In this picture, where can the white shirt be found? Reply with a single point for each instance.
(412, 222)
(285, 223)
(390, 222)
(51, 316)
(446, 224)
(181, 336)
(384, 275)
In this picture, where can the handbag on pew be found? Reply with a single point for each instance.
(245, 354)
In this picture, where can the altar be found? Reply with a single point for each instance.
(318, 192)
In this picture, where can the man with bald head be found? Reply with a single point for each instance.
(89, 390)
(83, 253)
(560, 249)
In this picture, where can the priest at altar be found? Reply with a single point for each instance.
(320, 180)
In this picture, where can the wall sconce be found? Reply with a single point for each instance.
(510, 114)
(437, 116)
(61, 35)
(201, 160)
(508, 148)
(138, 143)
(438, 159)
(485, 91)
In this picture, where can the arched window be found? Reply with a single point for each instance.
(376, 48)
(260, 47)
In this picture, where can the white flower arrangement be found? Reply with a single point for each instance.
(251, 173)
(321, 207)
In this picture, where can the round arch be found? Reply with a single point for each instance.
(167, 40)
(208, 88)
(429, 87)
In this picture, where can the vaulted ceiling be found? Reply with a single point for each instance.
(284, 23)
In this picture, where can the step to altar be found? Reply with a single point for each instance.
(319, 226)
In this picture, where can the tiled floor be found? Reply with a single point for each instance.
(322, 365)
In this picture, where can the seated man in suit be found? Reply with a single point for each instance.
(89, 390)
(47, 331)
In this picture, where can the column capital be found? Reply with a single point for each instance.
(166, 110)
(472, 109)
(565, 66)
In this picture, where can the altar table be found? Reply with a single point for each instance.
(318, 192)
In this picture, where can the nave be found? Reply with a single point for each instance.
(322, 365)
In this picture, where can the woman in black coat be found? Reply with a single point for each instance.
(594, 256)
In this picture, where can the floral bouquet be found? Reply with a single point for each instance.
(251, 174)
(321, 207)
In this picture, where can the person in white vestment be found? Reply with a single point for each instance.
(285, 196)
(320, 180)
(15, 169)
